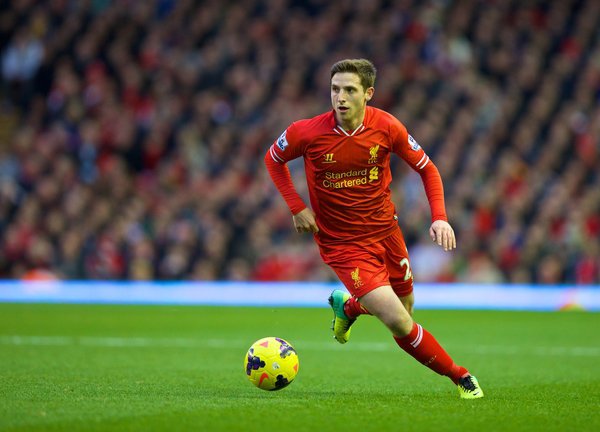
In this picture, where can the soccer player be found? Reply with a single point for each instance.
(346, 155)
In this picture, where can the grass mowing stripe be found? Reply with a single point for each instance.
(140, 342)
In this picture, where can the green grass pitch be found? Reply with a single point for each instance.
(119, 368)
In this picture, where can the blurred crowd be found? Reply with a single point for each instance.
(132, 133)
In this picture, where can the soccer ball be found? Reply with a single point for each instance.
(271, 363)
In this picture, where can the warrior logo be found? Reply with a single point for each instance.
(328, 158)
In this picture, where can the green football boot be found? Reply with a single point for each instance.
(468, 388)
(341, 323)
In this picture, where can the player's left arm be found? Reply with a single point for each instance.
(440, 230)
(408, 149)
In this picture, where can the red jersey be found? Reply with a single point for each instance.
(348, 174)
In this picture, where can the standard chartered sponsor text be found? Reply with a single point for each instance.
(344, 180)
(352, 173)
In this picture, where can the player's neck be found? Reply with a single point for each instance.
(350, 125)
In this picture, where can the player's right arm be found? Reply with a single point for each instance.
(284, 149)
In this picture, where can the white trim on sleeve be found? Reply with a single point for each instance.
(274, 155)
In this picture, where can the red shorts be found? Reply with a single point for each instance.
(364, 268)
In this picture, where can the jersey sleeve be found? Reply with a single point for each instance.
(405, 146)
(286, 148)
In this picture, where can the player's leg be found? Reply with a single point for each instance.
(360, 269)
(408, 302)
(410, 336)
(346, 308)
(353, 308)
(398, 264)
(384, 303)
(401, 279)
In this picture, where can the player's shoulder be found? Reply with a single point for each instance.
(387, 123)
(383, 119)
(311, 127)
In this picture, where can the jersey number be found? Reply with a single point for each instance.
(404, 263)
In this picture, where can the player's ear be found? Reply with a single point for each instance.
(369, 93)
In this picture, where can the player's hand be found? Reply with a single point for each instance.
(442, 233)
(305, 221)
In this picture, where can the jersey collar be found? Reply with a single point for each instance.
(341, 131)
(361, 127)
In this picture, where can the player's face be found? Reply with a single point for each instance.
(349, 98)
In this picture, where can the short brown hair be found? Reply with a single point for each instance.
(362, 67)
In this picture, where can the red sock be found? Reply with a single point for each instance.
(423, 347)
(352, 308)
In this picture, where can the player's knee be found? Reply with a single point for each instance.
(400, 324)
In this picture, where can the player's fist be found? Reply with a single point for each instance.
(305, 221)
(442, 233)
